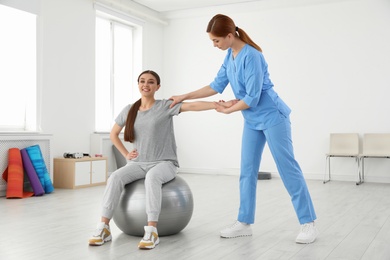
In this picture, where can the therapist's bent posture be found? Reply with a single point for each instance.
(266, 119)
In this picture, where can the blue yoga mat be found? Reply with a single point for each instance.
(35, 154)
(31, 174)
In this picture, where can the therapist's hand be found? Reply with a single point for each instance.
(220, 107)
(228, 103)
(235, 105)
(176, 99)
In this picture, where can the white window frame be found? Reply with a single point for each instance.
(32, 109)
(119, 17)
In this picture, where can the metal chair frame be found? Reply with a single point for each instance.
(343, 145)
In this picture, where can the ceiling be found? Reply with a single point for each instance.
(176, 5)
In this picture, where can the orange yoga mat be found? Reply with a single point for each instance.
(14, 175)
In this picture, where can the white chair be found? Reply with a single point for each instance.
(375, 145)
(343, 145)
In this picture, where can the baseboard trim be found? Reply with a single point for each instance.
(308, 176)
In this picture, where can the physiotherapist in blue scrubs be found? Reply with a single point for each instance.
(266, 120)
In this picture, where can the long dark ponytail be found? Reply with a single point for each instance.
(129, 134)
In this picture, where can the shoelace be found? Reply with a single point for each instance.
(237, 223)
(306, 228)
(147, 236)
(98, 232)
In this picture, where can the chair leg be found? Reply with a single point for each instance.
(359, 177)
(360, 171)
(327, 169)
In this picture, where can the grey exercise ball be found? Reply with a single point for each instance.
(176, 208)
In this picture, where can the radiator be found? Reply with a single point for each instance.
(8, 141)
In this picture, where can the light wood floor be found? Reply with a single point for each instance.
(354, 223)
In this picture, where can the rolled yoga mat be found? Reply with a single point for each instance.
(35, 154)
(14, 174)
(31, 174)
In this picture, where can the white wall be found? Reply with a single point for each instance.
(68, 73)
(66, 61)
(329, 60)
(67, 30)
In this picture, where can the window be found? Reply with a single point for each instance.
(114, 71)
(18, 81)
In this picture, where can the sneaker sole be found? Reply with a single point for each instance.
(307, 241)
(146, 247)
(241, 235)
(304, 242)
(150, 247)
(99, 244)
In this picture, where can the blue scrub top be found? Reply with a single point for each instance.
(249, 78)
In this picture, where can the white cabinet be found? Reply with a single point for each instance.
(99, 172)
(78, 173)
(82, 173)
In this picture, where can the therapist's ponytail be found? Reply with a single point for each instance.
(221, 25)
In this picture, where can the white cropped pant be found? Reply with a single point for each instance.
(155, 174)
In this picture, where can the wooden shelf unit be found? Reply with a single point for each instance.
(80, 173)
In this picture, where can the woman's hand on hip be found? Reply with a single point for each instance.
(131, 155)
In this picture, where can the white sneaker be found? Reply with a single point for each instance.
(308, 234)
(238, 229)
(150, 239)
(102, 234)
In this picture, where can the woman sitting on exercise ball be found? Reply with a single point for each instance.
(149, 126)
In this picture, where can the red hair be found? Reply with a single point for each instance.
(221, 25)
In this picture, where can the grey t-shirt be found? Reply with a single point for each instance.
(154, 133)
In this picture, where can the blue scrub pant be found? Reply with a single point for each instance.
(279, 142)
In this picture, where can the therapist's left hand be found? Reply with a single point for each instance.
(221, 107)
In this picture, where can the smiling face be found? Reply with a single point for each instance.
(222, 43)
(148, 84)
